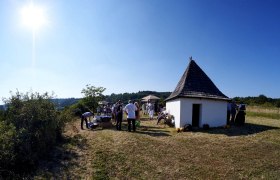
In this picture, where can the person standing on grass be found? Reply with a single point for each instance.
(144, 108)
(130, 109)
(84, 117)
(228, 112)
(151, 109)
(137, 112)
(113, 112)
(233, 111)
(119, 115)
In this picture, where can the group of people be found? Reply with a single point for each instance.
(106, 110)
(132, 111)
(150, 108)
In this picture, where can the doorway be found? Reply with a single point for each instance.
(195, 115)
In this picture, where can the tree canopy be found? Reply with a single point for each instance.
(92, 95)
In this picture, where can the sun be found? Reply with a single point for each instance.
(33, 17)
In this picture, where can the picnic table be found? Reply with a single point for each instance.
(103, 120)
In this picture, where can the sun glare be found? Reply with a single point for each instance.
(33, 17)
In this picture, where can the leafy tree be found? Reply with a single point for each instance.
(277, 103)
(262, 99)
(92, 95)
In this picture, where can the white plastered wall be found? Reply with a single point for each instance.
(212, 112)
(173, 108)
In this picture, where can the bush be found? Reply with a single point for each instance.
(64, 116)
(32, 127)
(7, 146)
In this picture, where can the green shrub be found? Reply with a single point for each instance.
(32, 127)
(7, 146)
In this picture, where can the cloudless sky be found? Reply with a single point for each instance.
(135, 45)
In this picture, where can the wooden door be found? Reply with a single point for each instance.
(195, 115)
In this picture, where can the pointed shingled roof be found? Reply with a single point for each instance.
(195, 83)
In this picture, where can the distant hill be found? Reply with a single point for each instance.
(60, 103)
(260, 100)
(124, 97)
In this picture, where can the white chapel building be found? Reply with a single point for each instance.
(196, 100)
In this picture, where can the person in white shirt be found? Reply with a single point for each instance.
(151, 109)
(130, 109)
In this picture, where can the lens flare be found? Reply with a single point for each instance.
(33, 17)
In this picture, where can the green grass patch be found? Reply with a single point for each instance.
(100, 166)
(263, 114)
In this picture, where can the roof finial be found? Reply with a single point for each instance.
(191, 58)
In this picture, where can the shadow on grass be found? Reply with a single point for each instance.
(247, 129)
(152, 131)
(62, 158)
(147, 119)
(148, 130)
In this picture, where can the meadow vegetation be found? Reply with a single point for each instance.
(40, 141)
(29, 129)
(265, 112)
(158, 152)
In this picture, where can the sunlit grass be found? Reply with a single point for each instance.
(255, 111)
(158, 152)
(263, 114)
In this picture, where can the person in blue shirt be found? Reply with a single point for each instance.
(84, 117)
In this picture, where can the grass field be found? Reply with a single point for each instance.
(271, 110)
(158, 152)
(271, 113)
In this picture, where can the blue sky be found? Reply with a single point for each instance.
(135, 45)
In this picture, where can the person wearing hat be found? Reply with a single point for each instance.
(130, 109)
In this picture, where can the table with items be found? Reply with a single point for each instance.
(102, 121)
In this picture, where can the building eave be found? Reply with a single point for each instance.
(198, 97)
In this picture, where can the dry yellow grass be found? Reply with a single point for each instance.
(158, 152)
(259, 109)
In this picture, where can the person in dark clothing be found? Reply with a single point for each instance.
(84, 117)
(240, 116)
(161, 115)
(228, 112)
(233, 111)
(119, 115)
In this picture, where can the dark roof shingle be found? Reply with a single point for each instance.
(195, 83)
